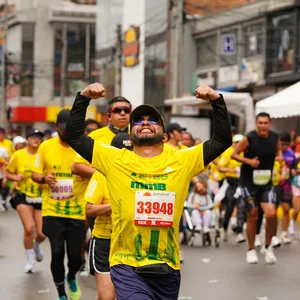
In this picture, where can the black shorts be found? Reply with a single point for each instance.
(254, 195)
(284, 194)
(99, 255)
(19, 198)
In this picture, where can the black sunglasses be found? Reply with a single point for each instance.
(119, 109)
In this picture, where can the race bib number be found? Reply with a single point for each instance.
(33, 200)
(154, 208)
(261, 177)
(63, 189)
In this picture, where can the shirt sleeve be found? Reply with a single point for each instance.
(192, 159)
(96, 190)
(12, 166)
(104, 156)
(221, 132)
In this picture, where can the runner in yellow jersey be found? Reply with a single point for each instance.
(230, 168)
(98, 205)
(63, 209)
(27, 197)
(147, 189)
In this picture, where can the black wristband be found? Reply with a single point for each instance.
(43, 180)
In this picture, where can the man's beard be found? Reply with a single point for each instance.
(147, 140)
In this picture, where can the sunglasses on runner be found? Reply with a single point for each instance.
(151, 121)
(119, 109)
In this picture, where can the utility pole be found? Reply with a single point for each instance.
(87, 52)
(177, 41)
(118, 64)
(3, 67)
(64, 48)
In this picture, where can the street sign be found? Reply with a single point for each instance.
(228, 44)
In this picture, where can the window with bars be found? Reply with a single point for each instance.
(253, 40)
(207, 51)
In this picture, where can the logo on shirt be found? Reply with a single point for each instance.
(148, 186)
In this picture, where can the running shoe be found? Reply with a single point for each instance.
(63, 298)
(181, 256)
(74, 289)
(284, 237)
(275, 242)
(39, 255)
(257, 242)
(252, 257)
(29, 267)
(270, 257)
(292, 227)
(240, 238)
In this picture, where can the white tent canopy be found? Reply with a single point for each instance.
(285, 103)
(239, 104)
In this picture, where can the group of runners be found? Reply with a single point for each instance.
(128, 182)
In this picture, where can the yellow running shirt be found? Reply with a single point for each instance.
(103, 135)
(176, 148)
(97, 193)
(226, 161)
(276, 173)
(8, 145)
(147, 197)
(22, 162)
(63, 199)
(214, 174)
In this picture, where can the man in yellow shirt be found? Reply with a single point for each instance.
(63, 209)
(147, 189)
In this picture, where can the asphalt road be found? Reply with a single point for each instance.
(207, 273)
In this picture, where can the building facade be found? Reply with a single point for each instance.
(50, 55)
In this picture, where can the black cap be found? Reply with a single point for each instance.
(146, 110)
(48, 131)
(175, 126)
(122, 140)
(33, 131)
(62, 118)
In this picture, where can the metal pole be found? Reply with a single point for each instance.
(118, 69)
(177, 38)
(63, 65)
(3, 67)
(87, 52)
